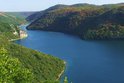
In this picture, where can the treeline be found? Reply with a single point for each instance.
(82, 19)
(108, 32)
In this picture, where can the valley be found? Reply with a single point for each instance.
(79, 43)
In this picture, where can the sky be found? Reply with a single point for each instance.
(37, 5)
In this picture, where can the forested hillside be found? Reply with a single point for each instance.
(36, 15)
(43, 67)
(85, 20)
(23, 15)
(9, 25)
(19, 64)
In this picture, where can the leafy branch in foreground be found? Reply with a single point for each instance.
(11, 70)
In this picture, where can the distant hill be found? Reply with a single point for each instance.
(9, 25)
(36, 15)
(9, 22)
(85, 20)
(20, 14)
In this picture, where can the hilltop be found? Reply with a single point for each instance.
(87, 21)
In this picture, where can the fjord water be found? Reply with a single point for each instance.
(87, 61)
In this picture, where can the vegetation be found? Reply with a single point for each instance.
(9, 25)
(21, 15)
(22, 65)
(106, 32)
(44, 67)
(9, 22)
(84, 20)
(12, 71)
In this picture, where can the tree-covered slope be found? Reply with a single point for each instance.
(85, 20)
(36, 15)
(9, 25)
(23, 15)
(45, 68)
(11, 70)
(12, 18)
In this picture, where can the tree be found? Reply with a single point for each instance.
(11, 70)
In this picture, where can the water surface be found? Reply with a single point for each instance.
(87, 61)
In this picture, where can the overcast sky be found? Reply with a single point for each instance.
(37, 5)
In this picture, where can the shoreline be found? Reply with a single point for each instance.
(62, 72)
(19, 38)
(25, 36)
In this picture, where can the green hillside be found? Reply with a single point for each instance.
(36, 15)
(84, 20)
(9, 25)
(44, 67)
(23, 15)
(40, 67)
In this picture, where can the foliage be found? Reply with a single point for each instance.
(81, 20)
(9, 25)
(12, 71)
(44, 67)
(20, 15)
(106, 32)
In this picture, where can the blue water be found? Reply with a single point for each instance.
(87, 61)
